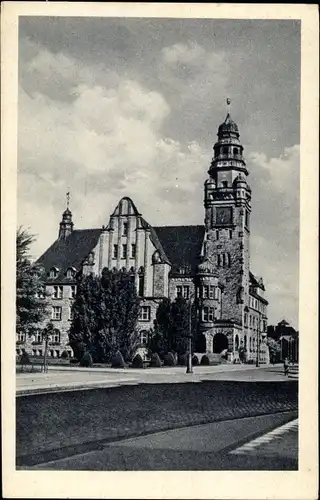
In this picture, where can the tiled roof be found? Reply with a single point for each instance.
(70, 252)
(182, 245)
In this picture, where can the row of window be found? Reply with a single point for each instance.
(183, 291)
(225, 150)
(58, 291)
(38, 337)
(71, 272)
(256, 304)
(124, 251)
(56, 313)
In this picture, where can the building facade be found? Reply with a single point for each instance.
(208, 265)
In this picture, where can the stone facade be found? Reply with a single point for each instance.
(208, 265)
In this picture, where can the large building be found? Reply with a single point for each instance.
(207, 264)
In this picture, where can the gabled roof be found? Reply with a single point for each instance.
(69, 252)
(182, 245)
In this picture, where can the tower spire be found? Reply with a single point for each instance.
(66, 224)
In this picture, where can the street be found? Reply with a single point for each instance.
(152, 420)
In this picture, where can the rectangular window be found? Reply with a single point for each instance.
(125, 229)
(245, 319)
(205, 314)
(216, 293)
(211, 314)
(144, 314)
(56, 337)
(73, 291)
(115, 251)
(133, 250)
(186, 292)
(205, 291)
(21, 337)
(230, 234)
(38, 338)
(56, 313)
(179, 291)
(124, 251)
(70, 313)
(211, 292)
(144, 337)
(57, 292)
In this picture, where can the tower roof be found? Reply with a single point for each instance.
(228, 126)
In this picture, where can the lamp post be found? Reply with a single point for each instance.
(47, 336)
(189, 363)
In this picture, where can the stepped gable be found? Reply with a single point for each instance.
(69, 252)
(182, 245)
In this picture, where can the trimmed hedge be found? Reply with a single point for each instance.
(25, 359)
(205, 360)
(155, 360)
(137, 361)
(86, 360)
(117, 360)
(169, 359)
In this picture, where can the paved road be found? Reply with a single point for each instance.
(214, 446)
(80, 378)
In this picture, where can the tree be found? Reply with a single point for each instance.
(274, 349)
(171, 327)
(105, 314)
(30, 296)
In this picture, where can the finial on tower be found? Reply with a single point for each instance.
(228, 100)
(68, 198)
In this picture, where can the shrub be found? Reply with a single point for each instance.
(205, 360)
(155, 360)
(74, 361)
(64, 354)
(169, 359)
(195, 360)
(183, 359)
(25, 359)
(117, 360)
(79, 349)
(86, 360)
(137, 361)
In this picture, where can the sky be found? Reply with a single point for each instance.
(131, 107)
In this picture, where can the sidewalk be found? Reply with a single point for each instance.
(60, 379)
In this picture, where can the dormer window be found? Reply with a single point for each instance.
(71, 272)
(54, 271)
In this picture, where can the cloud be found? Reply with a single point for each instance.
(104, 143)
(275, 229)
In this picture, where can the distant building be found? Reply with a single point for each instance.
(208, 264)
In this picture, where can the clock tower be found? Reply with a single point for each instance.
(227, 202)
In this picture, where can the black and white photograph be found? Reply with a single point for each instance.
(158, 244)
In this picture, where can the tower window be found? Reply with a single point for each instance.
(73, 291)
(208, 314)
(224, 184)
(144, 337)
(224, 151)
(235, 151)
(133, 250)
(141, 285)
(211, 292)
(125, 229)
(205, 291)
(115, 251)
(124, 251)
(179, 291)
(144, 314)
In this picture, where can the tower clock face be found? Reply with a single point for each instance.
(224, 215)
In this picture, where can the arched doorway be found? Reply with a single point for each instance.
(220, 343)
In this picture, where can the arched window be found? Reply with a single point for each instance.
(224, 184)
(71, 272)
(225, 151)
(235, 151)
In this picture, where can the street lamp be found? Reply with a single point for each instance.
(47, 336)
(189, 362)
